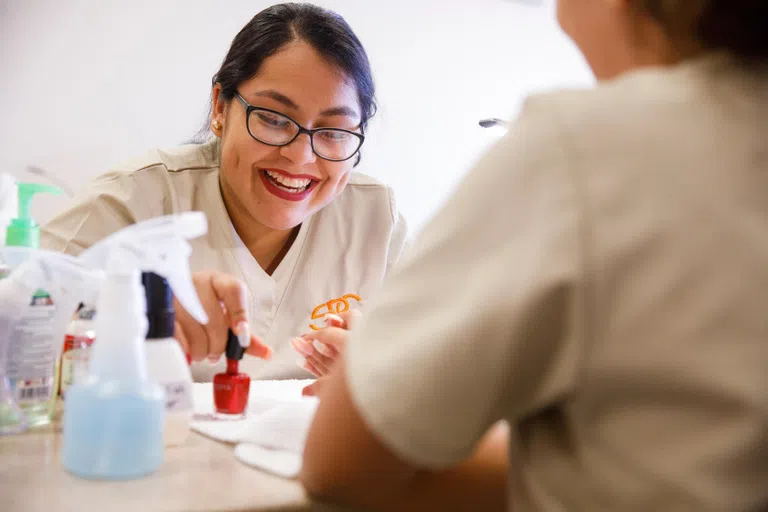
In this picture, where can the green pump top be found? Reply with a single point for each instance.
(23, 231)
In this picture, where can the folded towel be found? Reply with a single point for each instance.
(272, 433)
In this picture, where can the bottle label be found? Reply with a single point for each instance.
(178, 396)
(33, 391)
(74, 366)
(31, 353)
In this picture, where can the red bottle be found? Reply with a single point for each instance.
(230, 389)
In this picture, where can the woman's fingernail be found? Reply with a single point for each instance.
(322, 348)
(301, 363)
(213, 360)
(243, 331)
(334, 320)
(302, 346)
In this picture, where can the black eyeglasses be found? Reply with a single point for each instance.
(276, 129)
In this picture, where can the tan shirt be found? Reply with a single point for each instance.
(599, 280)
(337, 261)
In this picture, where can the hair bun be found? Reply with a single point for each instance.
(738, 26)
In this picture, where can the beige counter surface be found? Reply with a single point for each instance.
(202, 475)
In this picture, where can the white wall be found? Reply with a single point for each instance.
(88, 83)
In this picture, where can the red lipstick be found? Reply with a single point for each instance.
(295, 176)
(230, 389)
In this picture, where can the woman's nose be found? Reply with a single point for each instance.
(300, 150)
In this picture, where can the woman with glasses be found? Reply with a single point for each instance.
(599, 283)
(295, 237)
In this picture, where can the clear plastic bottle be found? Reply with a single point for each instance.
(32, 364)
(75, 355)
(66, 278)
(113, 419)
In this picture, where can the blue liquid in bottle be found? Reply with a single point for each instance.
(112, 431)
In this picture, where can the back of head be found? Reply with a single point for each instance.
(739, 27)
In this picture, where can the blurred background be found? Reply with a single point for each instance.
(88, 83)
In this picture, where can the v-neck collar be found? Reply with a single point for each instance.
(286, 265)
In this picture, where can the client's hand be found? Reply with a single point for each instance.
(225, 301)
(320, 349)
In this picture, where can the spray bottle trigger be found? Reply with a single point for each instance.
(185, 292)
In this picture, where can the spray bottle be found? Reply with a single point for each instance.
(32, 363)
(68, 280)
(114, 418)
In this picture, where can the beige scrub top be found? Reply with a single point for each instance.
(337, 261)
(600, 281)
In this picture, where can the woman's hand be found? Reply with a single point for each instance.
(320, 349)
(225, 301)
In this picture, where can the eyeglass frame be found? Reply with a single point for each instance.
(251, 108)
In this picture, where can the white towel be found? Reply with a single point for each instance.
(271, 436)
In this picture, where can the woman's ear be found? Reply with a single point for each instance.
(218, 111)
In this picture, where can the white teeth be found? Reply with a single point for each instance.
(293, 183)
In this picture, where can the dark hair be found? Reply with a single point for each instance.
(273, 28)
(737, 26)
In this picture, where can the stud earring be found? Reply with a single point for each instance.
(216, 125)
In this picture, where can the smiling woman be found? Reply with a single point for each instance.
(291, 226)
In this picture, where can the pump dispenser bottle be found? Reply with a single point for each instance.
(23, 231)
(32, 365)
(167, 363)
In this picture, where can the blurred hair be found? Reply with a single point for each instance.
(739, 27)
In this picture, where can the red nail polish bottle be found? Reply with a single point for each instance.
(230, 389)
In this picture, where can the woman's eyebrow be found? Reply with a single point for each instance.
(279, 97)
(288, 102)
(339, 111)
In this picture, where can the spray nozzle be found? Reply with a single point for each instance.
(23, 231)
(157, 245)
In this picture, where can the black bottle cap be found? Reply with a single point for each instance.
(235, 351)
(160, 312)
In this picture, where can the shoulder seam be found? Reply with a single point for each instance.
(368, 185)
(584, 223)
(181, 169)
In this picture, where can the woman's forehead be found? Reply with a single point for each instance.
(301, 79)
